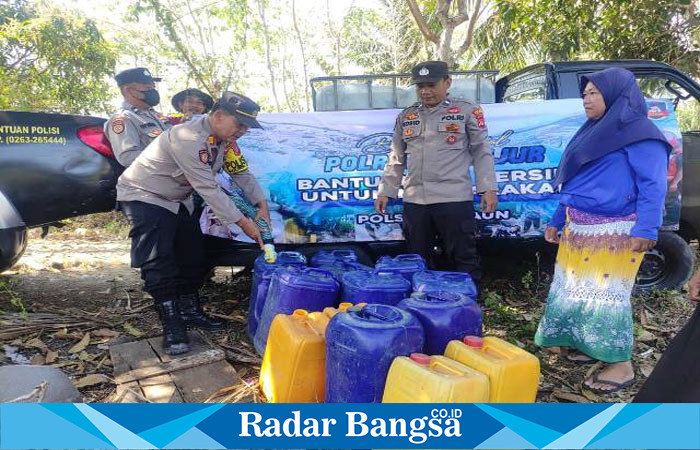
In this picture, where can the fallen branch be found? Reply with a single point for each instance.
(238, 318)
(206, 357)
(241, 355)
(38, 392)
(128, 300)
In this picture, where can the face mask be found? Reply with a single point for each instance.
(151, 97)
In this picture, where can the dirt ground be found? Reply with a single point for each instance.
(73, 293)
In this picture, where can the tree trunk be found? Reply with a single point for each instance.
(266, 35)
(165, 18)
(443, 42)
(303, 55)
(284, 81)
(335, 35)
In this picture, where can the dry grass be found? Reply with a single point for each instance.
(76, 284)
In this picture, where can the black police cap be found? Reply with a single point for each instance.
(135, 75)
(245, 109)
(429, 72)
(191, 92)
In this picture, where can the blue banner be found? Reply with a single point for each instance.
(346, 426)
(321, 170)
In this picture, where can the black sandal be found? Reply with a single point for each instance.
(616, 386)
(580, 362)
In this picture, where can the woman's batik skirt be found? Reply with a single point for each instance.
(588, 307)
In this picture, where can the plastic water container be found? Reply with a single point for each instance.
(262, 273)
(293, 368)
(293, 288)
(434, 379)
(435, 281)
(256, 301)
(323, 257)
(340, 268)
(406, 265)
(445, 316)
(513, 373)
(294, 363)
(328, 313)
(360, 346)
(385, 288)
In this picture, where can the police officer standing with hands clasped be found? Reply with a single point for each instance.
(155, 194)
(436, 141)
(136, 124)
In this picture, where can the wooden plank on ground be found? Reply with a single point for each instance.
(140, 355)
(129, 392)
(198, 383)
(144, 367)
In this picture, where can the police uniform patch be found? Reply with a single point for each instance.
(479, 116)
(454, 110)
(234, 161)
(451, 139)
(118, 125)
(452, 118)
(233, 146)
(408, 132)
(452, 127)
(412, 115)
(204, 156)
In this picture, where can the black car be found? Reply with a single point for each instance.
(52, 167)
(55, 166)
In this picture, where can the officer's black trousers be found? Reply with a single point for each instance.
(167, 247)
(454, 224)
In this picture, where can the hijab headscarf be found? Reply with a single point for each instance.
(624, 122)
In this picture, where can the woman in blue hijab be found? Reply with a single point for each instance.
(613, 183)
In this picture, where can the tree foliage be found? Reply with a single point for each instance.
(525, 31)
(206, 41)
(52, 59)
(385, 40)
(60, 60)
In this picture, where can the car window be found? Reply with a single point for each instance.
(662, 87)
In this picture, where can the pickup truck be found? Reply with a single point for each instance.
(321, 169)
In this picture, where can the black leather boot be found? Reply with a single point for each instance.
(193, 316)
(175, 339)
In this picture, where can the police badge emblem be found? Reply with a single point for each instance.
(118, 125)
(423, 72)
(204, 156)
(451, 139)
